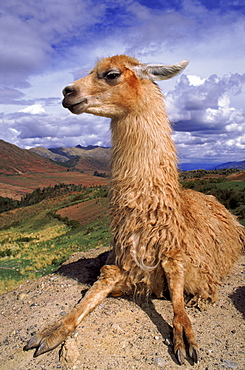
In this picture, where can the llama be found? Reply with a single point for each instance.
(163, 235)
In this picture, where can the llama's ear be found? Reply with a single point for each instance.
(156, 72)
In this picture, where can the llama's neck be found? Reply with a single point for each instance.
(144, 192)
(143, 153)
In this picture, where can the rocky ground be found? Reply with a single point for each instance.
(120, 333)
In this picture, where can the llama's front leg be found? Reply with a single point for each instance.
(181, 322)
(51, 337)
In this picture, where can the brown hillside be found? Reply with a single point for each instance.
(85, 212)
(238, 176)
(15, 186)
(46, 153)
(89, 165)
(97, 152)
(88, 161)
(14, 160)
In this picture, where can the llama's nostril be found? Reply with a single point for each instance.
(68, 90)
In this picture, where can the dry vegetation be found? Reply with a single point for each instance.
(16, 186)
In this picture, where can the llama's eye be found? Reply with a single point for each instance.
(112, 75)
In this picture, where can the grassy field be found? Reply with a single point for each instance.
(36, 239)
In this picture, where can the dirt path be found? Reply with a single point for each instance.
(118, 334)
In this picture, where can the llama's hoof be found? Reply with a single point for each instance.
(49, 338)
(180, 356)
(33, 342)
(193, 353)
(41, 344)
(43, 347)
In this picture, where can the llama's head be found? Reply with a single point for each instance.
(115, 85)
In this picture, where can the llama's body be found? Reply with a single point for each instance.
(163, 236)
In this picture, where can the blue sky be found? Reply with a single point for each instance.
(46, 44)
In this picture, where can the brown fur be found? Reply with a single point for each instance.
(161, 232)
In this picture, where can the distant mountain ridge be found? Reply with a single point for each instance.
(194, 166)
(207, 166)
(85, 159)
(89, 147)
(238, 165)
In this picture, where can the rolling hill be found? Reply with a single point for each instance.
(46, 153)
(238, 165)
(87, 160)
(14, 160)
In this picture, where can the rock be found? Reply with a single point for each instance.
(229, 364)
(168, 342)
(160, 361)
(21, 296)
(117, 328)
(69, 353)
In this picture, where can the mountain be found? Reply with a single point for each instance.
(88, 152)
(89, 147)
(46, 153)
(194, 166)
(212, 167)
(85, 159)
(14, 160)
(238, 165)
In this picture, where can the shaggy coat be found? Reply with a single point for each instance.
(163, 236)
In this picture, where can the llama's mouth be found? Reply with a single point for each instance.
(75, 107)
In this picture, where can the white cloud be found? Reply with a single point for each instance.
(205, 106)
(195, 80)
(33, 109)
(235, 127)
(206, 125)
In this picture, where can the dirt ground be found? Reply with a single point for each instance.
(120, 333)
